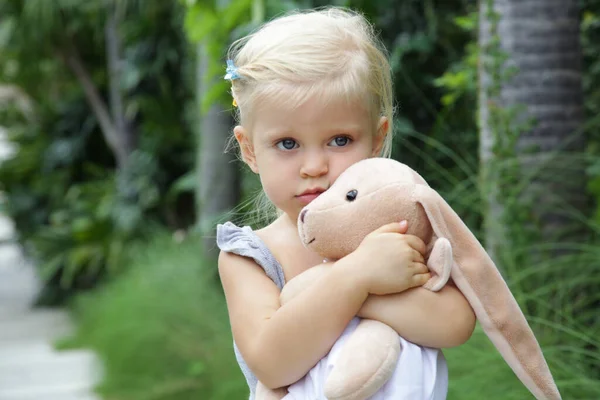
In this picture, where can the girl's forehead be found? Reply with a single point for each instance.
(313, 116)
(314, 110)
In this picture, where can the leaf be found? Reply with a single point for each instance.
(131, 76)
(589, 19)
(114, 253)
(7, 29)
(467, 22)
(197, 368)
(403, 125)
(199, 22)
(214, 95)
(234, 13)
(594, 169)
(185, 183)
(51, 267)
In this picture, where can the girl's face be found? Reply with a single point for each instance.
(305, 149)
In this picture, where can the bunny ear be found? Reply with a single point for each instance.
(476, 276)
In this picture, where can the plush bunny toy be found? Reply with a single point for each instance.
(378, 191)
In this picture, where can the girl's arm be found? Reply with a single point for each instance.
(433, 319)
(280, 344)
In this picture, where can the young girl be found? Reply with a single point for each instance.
(314, 95)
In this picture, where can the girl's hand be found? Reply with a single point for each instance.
(389, 261)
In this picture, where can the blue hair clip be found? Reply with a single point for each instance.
(232, 71)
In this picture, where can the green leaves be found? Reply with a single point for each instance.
(212, 25)
(7, 28)
(61, 188)
(200, 20)
(467, 22)
(594, 185)
(216, 18)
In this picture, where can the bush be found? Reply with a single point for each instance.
(161, 328)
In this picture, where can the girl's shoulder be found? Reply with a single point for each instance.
(245, 242)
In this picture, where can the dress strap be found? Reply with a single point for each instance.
(245, 242)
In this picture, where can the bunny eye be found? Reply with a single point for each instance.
(351, 195)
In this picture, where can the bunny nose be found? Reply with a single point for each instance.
(302, 214)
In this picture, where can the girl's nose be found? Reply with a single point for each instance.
(315, 164)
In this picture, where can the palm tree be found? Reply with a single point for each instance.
(540, 161)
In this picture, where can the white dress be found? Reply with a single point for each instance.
(421, 374)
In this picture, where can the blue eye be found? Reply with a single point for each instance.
(340, 141)
(287, 144)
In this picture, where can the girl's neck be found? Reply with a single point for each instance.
(289, 222)
(284, 242)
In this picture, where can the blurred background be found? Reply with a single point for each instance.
(113, 121)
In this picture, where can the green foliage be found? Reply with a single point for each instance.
(73, 212)
(461, 77)
(590, 35)
(594, 182)
(81, 236)
(214, 24)
(75, 229)
(161, 329)
(204, 17)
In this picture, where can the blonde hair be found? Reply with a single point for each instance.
(330, 52)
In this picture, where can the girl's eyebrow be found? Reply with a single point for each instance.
(288, 132)
(279, 133)
(354, 129)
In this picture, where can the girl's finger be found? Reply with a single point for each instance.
(418, 256)
(416, 243)
(421, 279)
(420, 268)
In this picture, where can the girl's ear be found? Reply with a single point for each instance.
(382, 130)
(246, 147)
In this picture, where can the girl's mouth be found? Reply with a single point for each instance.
(309, 195)
(307, 198)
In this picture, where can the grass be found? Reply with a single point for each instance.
(161, 328)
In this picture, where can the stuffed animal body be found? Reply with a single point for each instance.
(416, 373)
(378, 191)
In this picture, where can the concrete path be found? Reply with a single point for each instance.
(30, 368)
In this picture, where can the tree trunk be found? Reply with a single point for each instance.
(113, 124)
(126, 139)
(541, 40)
(218, 186)
(96, 102)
